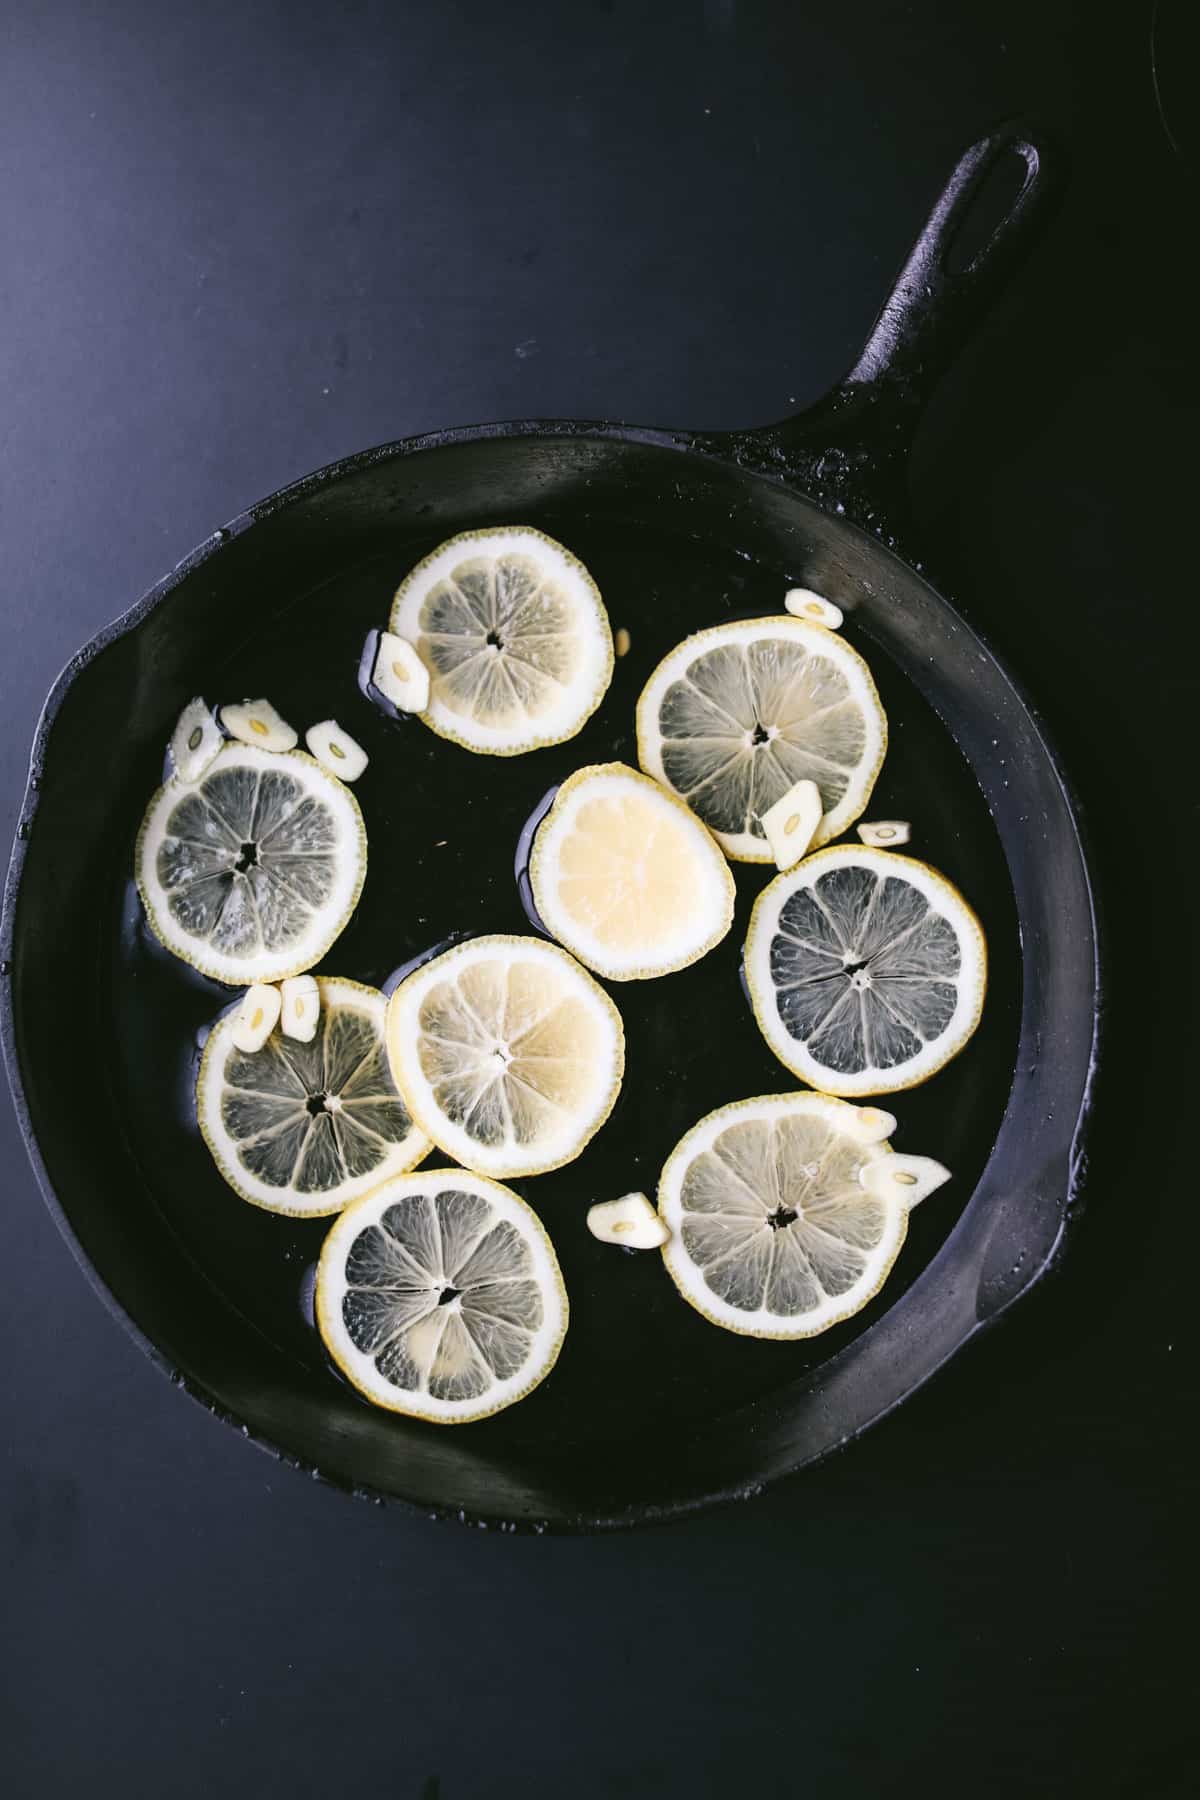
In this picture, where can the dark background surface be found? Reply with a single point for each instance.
(236, 242)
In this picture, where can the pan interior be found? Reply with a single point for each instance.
(645, 1389)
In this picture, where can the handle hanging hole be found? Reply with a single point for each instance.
(988, 209)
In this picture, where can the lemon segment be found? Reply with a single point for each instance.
(626, 878)
(514, 635)
(866, 970)
(439, 1295)
(303, 1128)
(507, 1053)
(735, 716)
(782, 1220)
(250, 873)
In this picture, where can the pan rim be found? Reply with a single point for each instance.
(720, 449)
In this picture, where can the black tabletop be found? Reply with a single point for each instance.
(239, 241)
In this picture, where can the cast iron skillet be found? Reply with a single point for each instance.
(651, 1411)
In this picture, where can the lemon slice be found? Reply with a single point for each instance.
(626, 877)
(735, 716)
(302, 1128)
(515, 637)
(774, 1231)
(508, 1055)
(440, 1295)
(250, 873)
(866, 970)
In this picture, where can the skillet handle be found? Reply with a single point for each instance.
(850, 450)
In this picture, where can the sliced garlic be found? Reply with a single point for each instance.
(621, 641)
(399, 673)
(336, 750)
(904, 1178)
(802, 603)
(195, 740)
(300, 1007)
(257, 722)
(791, 822)
(257, 1017)
(871, 1125)
(884, 834)
(631, 1221)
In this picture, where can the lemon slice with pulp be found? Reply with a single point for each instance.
(251, 872)
(774, 1232)
(440, 1295)
(735, 716)
(508, 1055)
(626, 877)
(514, 635)
(302, 1128)
(866, 970)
